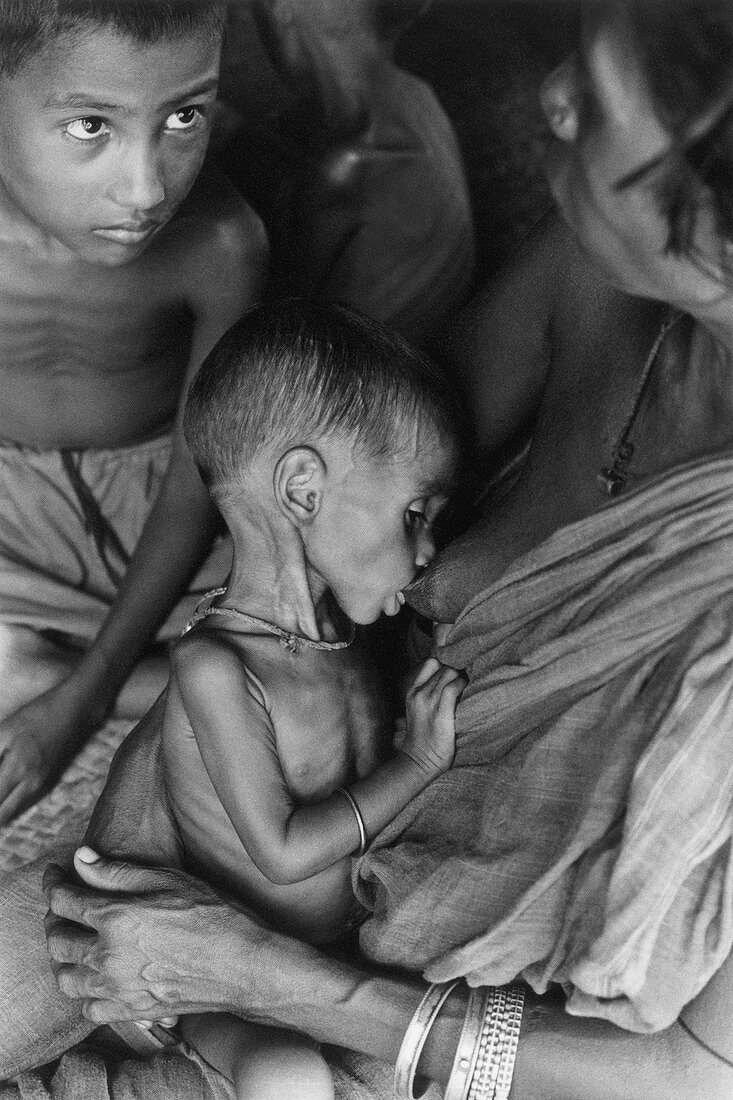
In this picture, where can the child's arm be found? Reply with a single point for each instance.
(230, 264)
(290, 842)
(181, 524)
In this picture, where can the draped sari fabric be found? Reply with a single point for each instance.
(583, 836)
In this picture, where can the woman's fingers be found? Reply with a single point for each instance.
(65, 900)
(67, 943)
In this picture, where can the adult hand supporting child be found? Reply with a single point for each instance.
(130, 957)
(163, 941)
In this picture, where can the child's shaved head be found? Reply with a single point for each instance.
(28, 26)
(292, 372)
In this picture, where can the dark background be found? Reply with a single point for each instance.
(485, 59)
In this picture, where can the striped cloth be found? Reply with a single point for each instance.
(583, 836)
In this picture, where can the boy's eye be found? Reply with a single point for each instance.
(86, 129)
(183, 119)
(414, 516)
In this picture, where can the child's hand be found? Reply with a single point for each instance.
(430, 734)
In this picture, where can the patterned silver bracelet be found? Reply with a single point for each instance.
(359, 819)
(416, 1036)
(510, 1028)
(487, 1064)
(487, 1048)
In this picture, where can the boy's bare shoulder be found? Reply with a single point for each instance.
(211, 663)
(216, 233)
(215, 205)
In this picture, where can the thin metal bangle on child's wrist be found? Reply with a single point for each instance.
(363, 841)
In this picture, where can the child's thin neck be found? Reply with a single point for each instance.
(260, 611)
(273, 583)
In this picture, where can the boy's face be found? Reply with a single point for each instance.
(101, 139)
(374, 530)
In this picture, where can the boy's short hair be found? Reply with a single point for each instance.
(28, 26)
(291, 372)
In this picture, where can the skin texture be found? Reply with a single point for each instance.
(257, 740)
(100, 326)
(559, 348)
(367, 527)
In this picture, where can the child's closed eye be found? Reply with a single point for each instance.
(415, 515)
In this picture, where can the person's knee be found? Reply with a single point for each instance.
(290, 1068)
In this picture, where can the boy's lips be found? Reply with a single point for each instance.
(394, 605)
(132, 233)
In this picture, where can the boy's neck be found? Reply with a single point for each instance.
(274, 583)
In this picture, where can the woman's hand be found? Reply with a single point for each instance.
(138, 943)
(430, 729)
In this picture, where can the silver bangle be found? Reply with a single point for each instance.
(416, 1036)
(491, 1078)
(467, 1050)
(487, 1063)
(359, 819)
(511, 1027)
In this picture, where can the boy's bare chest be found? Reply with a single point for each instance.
(92, 347)
(51, 312)
(329, 719)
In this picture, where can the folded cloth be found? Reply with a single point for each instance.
(91, 1072)
(583, 836)
(69, 522)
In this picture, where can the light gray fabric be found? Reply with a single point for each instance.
(584, 833)
(52, 576)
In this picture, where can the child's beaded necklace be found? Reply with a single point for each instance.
(292, 642)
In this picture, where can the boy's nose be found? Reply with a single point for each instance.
(140, 185)
(559, 96)
(425, 548)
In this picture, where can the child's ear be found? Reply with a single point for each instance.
(298, 483)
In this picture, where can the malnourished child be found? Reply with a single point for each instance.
(330, 447)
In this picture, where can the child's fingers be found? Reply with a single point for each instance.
(427, 669)
(451, 693)
(437, 681)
